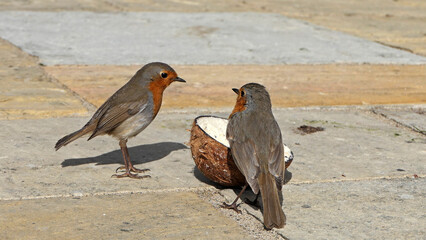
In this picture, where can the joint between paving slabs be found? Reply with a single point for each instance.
(398, 47)
(397, 123)
(204, 189)
(88, 105)
(116, 7)
(407, 176)
(144, 191)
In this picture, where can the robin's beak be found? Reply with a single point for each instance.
(236, 91)
(178, 79)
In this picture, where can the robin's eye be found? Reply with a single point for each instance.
(163, 75)
(242, 93)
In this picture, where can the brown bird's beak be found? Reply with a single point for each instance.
(178, 79)
(236, 91)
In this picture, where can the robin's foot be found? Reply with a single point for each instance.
(232, 206)
(132, 169)
(130, 175)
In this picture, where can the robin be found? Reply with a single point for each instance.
(256, 146)
(129, 111)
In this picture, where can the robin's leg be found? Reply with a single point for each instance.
(127, 164)
(234, 205)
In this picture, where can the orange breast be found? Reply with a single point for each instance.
(239, 105)
(157, 89)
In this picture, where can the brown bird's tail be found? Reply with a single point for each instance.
(273, 214)
(71, 137)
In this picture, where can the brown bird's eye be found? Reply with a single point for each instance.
(242, 93)
(163, 75)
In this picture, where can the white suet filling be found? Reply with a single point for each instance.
(215, 127)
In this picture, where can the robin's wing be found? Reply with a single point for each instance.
(276, 164)
(243, 152)
(115, 115)
(116, 110)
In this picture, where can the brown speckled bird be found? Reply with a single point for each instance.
(129, 111)
(257, 148)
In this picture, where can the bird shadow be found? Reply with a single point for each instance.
(138, 154)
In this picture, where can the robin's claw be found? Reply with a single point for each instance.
(231, 206)
(133, 169)
(136, 170)
(130, 175)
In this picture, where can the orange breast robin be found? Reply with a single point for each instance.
(129, 111)
(256, 146)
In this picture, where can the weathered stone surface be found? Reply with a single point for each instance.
(360, 178)
(175, 215)
(414, 117)
(27, 92)
(289, 85)
(393, 23)
(373, 209)
(354, 145)
(189, 38)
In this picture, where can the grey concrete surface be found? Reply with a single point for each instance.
(187, 38)
(354, 145)
(374, 209)
(336, 190)
(69, 170)
(414, 117)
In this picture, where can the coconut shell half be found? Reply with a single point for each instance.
(211, 153)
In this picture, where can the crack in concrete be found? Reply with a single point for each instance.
(398, 123)
(398, 47)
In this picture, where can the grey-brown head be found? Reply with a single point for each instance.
(252, 96)
(157, 73)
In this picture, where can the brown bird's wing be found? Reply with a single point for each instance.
(115, 115)
(276, 163)
(243, 152)
(118, 108)
(247, 147)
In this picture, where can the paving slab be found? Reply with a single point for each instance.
(26, 90)
(374, 209)
(394, 23)
(289, 85)
(413, 117)
(187, 38)
(131, 216)
(57, 5)
(355, 144)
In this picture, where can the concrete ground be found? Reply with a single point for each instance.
(359, 74)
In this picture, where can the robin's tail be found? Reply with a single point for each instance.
(71, 137)
(273, 214)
